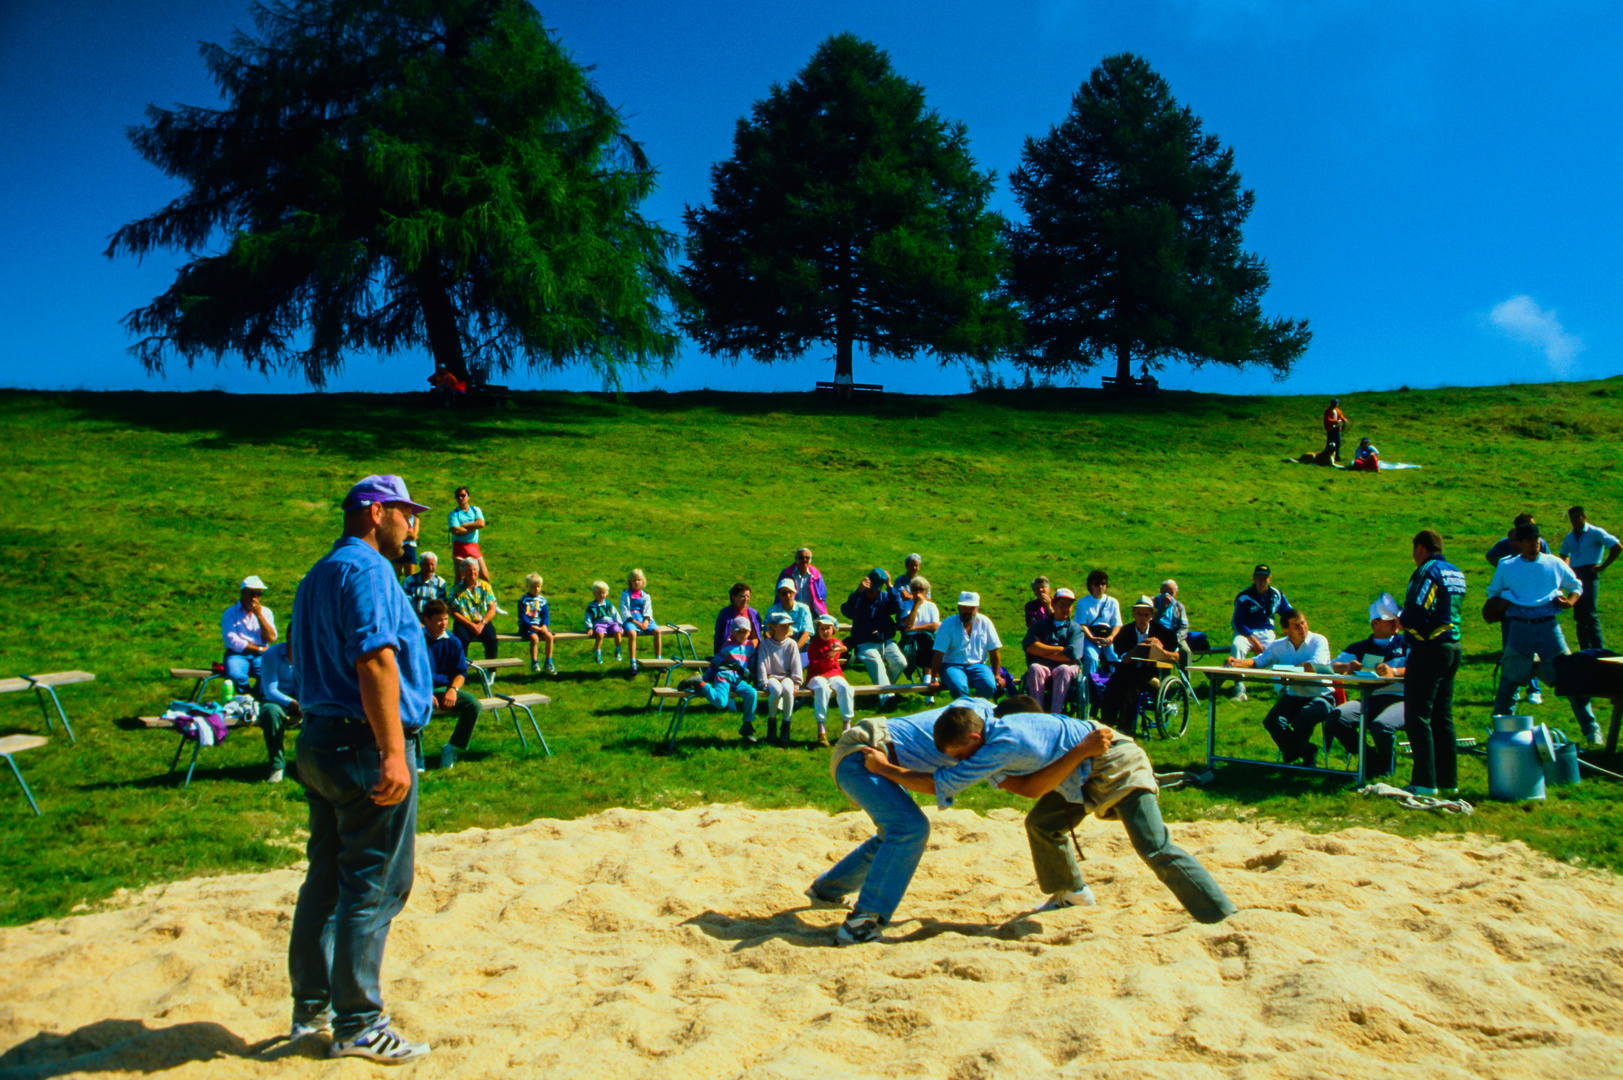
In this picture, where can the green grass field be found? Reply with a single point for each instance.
(131, 517)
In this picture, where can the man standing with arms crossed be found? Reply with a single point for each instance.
(362, 665)
(1582, 549)
(1431, 622)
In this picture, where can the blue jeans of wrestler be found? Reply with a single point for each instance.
(361, 865)
(882, 866)
(960, 679)
(240, 667)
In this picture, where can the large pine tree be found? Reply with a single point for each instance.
(389, 174)
(1131, 248)
(849, 212)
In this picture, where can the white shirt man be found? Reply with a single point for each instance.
(968, 651)
(1302, 706)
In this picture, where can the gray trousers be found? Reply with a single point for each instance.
(1048, 828)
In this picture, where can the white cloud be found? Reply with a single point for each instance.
(1521, 319)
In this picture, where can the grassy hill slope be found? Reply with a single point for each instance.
(132, 516)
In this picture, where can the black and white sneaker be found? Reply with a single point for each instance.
(858, 930)
(320, 1024)
(1082, 897)
(380, 1043)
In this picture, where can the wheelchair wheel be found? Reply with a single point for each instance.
(1173, 705)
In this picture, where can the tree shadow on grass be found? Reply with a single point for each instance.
(357, 425)
(131, 1046)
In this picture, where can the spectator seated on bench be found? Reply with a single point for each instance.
(727, 679)
(637, 616)
(535, 623)
(248, 628)
(448, 389)
(448, 662)
(278, 704)
(473, 608)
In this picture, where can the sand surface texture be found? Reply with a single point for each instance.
(678, 944)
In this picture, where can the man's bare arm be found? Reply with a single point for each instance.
(880, 765)
(378, 673)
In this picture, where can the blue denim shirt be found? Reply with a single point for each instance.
(913, 737)
(348, 605)
(1014, 745)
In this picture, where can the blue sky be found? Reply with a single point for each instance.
(1436, 182)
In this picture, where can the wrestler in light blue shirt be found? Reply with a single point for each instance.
(1015, 745)
(913, 737)
(348, 605)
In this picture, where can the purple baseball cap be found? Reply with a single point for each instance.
(380, 489)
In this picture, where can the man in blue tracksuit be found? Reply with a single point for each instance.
(1431, 623)
(1254, 612)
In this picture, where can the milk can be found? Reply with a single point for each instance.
(1514, 769)
(1562, 768)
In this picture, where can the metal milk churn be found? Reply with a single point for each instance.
(1515, 771)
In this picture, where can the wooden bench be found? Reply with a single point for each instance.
(487, 669)
(203, 677)
(44, 685)
(685, 698)
(666, 670)
(850, 389)
(1134, 386)
(683, 632)
(513, 703)
(161, 724)
(16, 744)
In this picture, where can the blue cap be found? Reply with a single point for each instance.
(879, 575)
(386, 488)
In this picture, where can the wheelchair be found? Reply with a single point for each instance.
(1164, 703)
(1164, 706)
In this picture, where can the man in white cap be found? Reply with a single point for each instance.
(968, 652)
(1385, 653)
(248, 628)
(366, 687)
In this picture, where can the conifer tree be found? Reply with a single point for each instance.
(389, 174)
(1131, 248)
(848, 213)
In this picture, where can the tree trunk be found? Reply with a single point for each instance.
(843, 331)
(439, 319)
(1124, 364)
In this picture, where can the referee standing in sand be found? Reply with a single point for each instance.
(365, 686)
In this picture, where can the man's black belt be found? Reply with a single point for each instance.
(1518, 618)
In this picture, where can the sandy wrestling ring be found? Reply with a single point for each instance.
(677, 944)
